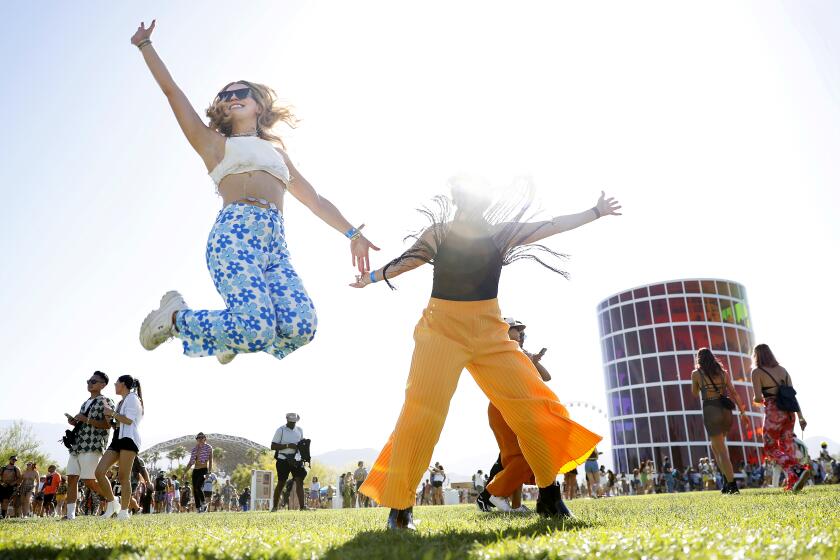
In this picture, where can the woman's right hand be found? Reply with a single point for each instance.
(142, 33)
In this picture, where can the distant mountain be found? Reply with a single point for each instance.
(343, 458)
(48, 435)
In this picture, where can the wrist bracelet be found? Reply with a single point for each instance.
(353, 233)
(143, 43)
(372, 276)
(597, 212)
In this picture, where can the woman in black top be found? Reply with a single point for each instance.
(767, 377)
(714, 385)
(463, 328)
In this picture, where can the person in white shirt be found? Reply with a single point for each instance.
(124, 447)
(288, 460)
(478, 481)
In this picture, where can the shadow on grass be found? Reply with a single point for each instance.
(370, 545)
(59, 552)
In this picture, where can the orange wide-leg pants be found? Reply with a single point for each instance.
(515, 469)
(451, 336)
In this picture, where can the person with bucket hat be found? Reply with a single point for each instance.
(511, 470)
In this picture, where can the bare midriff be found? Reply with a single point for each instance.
(240, 187)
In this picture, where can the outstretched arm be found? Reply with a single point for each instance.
(415, 258)
(302, 190)
(536, 231)
(209, 144)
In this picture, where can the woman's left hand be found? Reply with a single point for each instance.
(361, 281)
(360, 248)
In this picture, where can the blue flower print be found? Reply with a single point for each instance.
(256, 345)
(277, 288)
(267, 315)
(258, 283)
(286, 315)
(239, 231)
(223, 241)
(234, 268)
(299, 296)
(304, 326)
(246, 256)
(266, 306)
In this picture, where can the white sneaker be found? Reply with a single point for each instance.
(123, 515)
(226, 357)
(501, 503)
(157, 327)
(112, 509)
(521, 509)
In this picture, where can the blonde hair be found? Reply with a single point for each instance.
(270, 113)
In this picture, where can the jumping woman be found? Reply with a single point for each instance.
(267, 307)
(462, 328)
(714, 386)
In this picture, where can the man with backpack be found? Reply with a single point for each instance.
(290, 452)
(161, 484)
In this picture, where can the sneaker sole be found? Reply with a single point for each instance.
(170, 302)
(799, 484)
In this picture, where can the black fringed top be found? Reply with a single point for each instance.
(467, 268)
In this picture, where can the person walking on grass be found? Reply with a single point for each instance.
(267, 308)
(462, 327)
(772, 386)
(201, 459)
(713, 384)
(29, 481)
(91, 427)
(288, 460)
(124, 447)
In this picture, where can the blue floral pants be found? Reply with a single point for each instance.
(268, 310)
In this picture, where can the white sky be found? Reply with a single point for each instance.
(715, 124)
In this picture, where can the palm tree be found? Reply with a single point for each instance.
(154, 458)
(179, 453)
(171, 456)
(252, 455)
(219, 455)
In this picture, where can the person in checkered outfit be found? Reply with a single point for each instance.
(91, 440)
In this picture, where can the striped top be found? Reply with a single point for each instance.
(201, 453)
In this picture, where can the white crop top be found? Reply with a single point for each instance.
(250, 153)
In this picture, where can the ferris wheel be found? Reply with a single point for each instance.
(587, 406)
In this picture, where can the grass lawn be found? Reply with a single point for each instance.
(757, 524)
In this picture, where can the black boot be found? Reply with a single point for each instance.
(483, 501)
(724, 489)
(733, 488)
(401, 519)
(550, 502)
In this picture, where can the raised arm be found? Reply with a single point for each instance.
(536, 231)
(302, 190)
(209, 144)
(398, 266)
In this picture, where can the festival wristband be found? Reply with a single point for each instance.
(372, 276)
(353, 233)
(597, 212)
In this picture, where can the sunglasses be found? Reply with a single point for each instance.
(242, 93)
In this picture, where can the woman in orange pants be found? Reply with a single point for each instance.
(462, 328)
